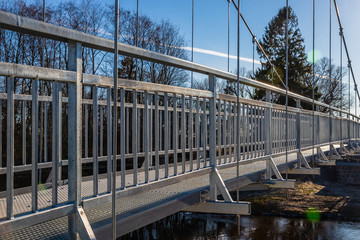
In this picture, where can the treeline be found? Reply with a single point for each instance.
(97, 19)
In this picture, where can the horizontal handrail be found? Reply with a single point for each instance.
(49, 74)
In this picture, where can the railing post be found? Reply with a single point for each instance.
(348, 127)
(212, 137)
(317, 139)
(74, 134)
(267, 133)
(10, 149)
(330, 125)
(298, 125)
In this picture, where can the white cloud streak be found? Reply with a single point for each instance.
(220, 54)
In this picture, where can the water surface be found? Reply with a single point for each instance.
(211, 226)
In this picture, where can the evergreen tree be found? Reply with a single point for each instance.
(273, 43)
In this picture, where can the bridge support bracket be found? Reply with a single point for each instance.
(322, 154)
(343, 148)
(216, 182)
(276, 183)
(271, 169)
(333, 154)
(221, 207)
(279, 182)
(350, 145)
(83, 225)
(306, 170)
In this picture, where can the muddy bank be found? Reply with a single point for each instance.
(332, 200)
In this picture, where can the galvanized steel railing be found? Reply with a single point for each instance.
(164, 131)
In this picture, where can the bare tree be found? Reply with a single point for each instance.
(330, 89)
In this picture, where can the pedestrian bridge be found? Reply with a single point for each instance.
(176, 148)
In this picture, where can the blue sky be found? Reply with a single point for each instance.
(211, 25)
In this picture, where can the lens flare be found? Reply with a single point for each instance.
(313, 215)
(42, 187)
(317, 56)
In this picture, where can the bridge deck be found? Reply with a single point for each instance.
(137, 207)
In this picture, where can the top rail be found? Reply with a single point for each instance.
(18, 23)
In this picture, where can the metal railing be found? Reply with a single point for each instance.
(164, 131)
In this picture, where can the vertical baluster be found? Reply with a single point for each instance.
(95, 141)
(183, 133)
(55, 142)
(160, 130)
(1, 152)
(108, 138)
(23, 133)
(175, 133)
(225, 132)
(101, 130)
(34, 145)
(247, 131)
(243, 136)
(190, 136)
(122, 135)
(10, 149)
(139, 129)
(257, 131)
(261, 132)
(156, 135)
(146, 137)
(135, 138)
(219, 131)
(86, 131)
(166, 134)
(197, 133)
(275, 131)
(205, 125)
(150, 130)
(45, 132)
(252, 131)
(60, 131)
(127, 128)
(230, 131)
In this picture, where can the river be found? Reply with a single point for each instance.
(210, 226)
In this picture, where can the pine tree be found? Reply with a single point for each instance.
(273, 43)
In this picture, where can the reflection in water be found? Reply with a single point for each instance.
(210, 226)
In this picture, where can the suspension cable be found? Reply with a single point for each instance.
(346, 49)
(287, 82)
(341, 82)
(238, 106)
(258, 44)
(116, 36)
(313, 88)
(228, 60)
(137, 39)
(192, 43)
(330, 69)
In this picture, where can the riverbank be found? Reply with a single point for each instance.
(332, 200)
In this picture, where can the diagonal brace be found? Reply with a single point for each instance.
(83, 225)
(333, 151)
(271, 169)
(322, 154)
(302, 160)
(343, 148)
(218, 183)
